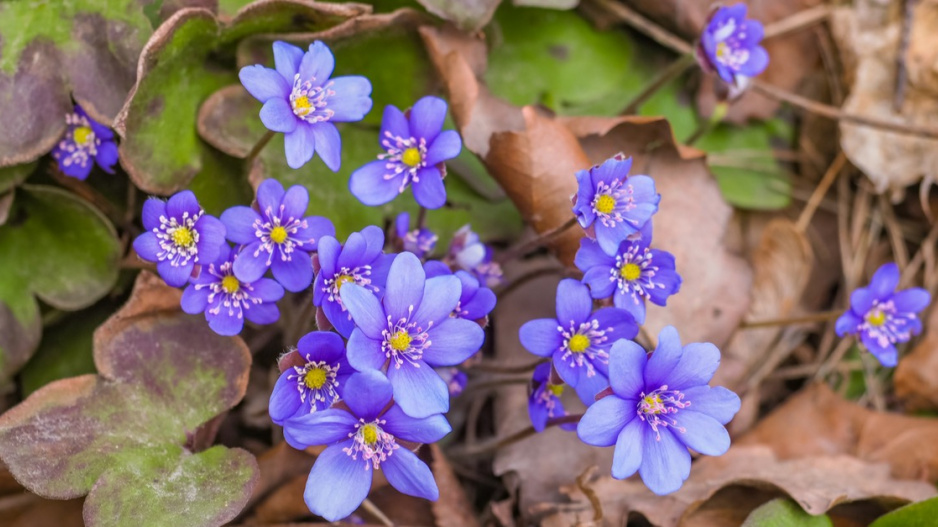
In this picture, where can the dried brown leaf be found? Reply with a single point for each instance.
(916, 378)
(453, 508)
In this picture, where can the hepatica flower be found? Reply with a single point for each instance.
(634, 274)
(659, 407)
(410, 332)
(415, 149)
(470, 254)
(578, 340)
(544, 400)
(227, 300)
(475, 300)
(314, 379)
(85, 143)
(302, 101)
(881, 316)
(179, 236)
(610, 204)
(454, 378)
(729, 45)
(360, 441)
(360, 261)
(278, 236)
(420, 241)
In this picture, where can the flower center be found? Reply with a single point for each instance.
(605, 204)
(301, 105)
(230, 284)
(656, 407)
(317, 381)
(182, 237)
(400, 341)
(178, 239)
(876, 318)
(309, 102)
(83, 135)
(411, 157)
(556, 389)
(722, 50)
(278, 234)
(315, 378)
(630, 271)
(404, 157)
(405, 340)
(342, 280)
(370, 434)
(374, 444)
(578, 343)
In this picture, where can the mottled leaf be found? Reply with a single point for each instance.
(14, 175)
(784, 513)
(918, 514)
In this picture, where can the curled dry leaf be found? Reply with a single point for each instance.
(121, 436)
(916, 378)
(453, 508)
(868, 34)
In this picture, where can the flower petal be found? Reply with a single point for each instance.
(194, 301)
(317, 64)
(590, 255)
(426, 430)
(321, 346)
(446, 146)
(284, 399)
(453, 341)
(147, 246)
(262, 313)
(299, 145)
(885, 280)
(911, 300)
(393, 124)
(339, 318)
(294, 274)
(352, 99)
(328, 250)
(602, 422)
(426, 118)
(294, 203)
(239, 224)
(717, 402)
(277, 116)
(440, 296)
(409, 475)
(175, 275)
(627, 362)
(337, 484)
(287, 58)
(328, 144)
(183, 203)
(211, 238)
(702, 433)
(369, 185)
(323, 427)
(269, 196)
(418, 389)
(541, 336)
(663, 359)
(665, 461)
(153, 208)
(251, 263)
(264, 83)
(627, 457)
(225, 322)
(588, 386)
(365, 309)
(267, 290)
(405, 287)
(699, 361)
(367, 393)
(364, 353)
(429, 190)
(574, 303)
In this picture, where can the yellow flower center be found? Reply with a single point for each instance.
(302, 104)
(315, 378)
(82, 135)
(722, 50)
(342, 280)
(578, 343)
(605, 204)
(370, 434)
(556, 389)
(230, 284)
(400, 341)
(182, 237)
(278, 234)
(411, 157)
(652, 404)
(876, 318)
(630, 271)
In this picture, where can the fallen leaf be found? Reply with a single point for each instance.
(916, 377)
(452, 509)
(467, 15)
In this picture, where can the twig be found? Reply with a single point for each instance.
(873, 389)
(800, 20)
(673, 71)
(541, 240)
(815, 317)
(805, 218)
(524, 279)
(373, 509)
(829, 363)
(494, 444)
(643, 25)
(261, 143)
(492, 368)
(894, 230)
(902, 71)
(590, 493)
(422, 217)
(719, 112)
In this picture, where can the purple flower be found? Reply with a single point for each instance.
(544, 400)
(416, 149)
(420, 241)
(882, 316)
(301, 101)
(227, 301)
(454, 378)
(85, 143)
(611, 205)
(472, 255)
(315, 382)
(578, 340)
(636, 273)
(278, 237)
(360, 261)
(659, 407)
(729, 45)
(179, 236)
(475, 301)
(361, 440)
(410, 332)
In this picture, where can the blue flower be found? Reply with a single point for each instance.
(578, 340)
(360, 261)
(278, 237)
(454, 378)
(410, 331)
(85, 143)
(470, 254)
(301, 101)
(611, 205)
(636, 273)
(361, 440)
(729, 45)
(179, 236)
(314, 377)
(544, 400)
(416, 150)
(475, 300)
(660, 407)
(420, 241)
(882, 316)
(227, 301)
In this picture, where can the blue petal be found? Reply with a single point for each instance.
(251, 263)
(323, 427)
(574, 303)
(374, 241)
(269, 195)
(147, 246)
(538, 412)
(328, 251)
(429, 190)
(294, 274)
(317, 64)
(328, 144)
(717, 402)
(299, 145)
(284, 399)
(262, 313)
(353, 252)
(627, 362)
(610, 170)
(369, 185)
(337, 484)
(618, 323)
(294, 202)
(588, 386)
(153, 208)
(602, 422)
(364, 353)
(634, 305)
(426, 430)
(409, 475)
(365, 309)
(756, 63)
(453, 341)
(224, 323)
(664, 359)
(861, 300)
(367, 393)
(194, 301)
(627, 457)
(847, 324)
(418, 389)
(446, 146)
(339, 318)
(591, 255)
(885, 280)
(440, 296)
(211, 238)
(426, 118)
(277, 116)
(699, 361)
(393, 124)
(911, 300)
(77, 171)
(264, 83)
(183, 203)
(703, 433)
(106, 156)
(175, 276)
(239, 224)
(568, 370)
(267, 290)
(481, 304)
(287, 58)
(541, 337)
(321, 346)
(887, 355)
(352, 99)
(405, 287)
(665, 462)
(599, 280)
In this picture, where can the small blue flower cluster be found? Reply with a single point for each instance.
(85, 143)
(729, 46)
(652, 409)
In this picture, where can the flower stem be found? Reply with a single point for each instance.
(258, 147)
(815, 317)
(541, 240)
(673, 71)
(719, 112)
(495, 444)
(373, 509)
(422, 217)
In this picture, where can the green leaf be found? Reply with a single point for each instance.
(782, 512)
(123, 437)
(14, 175)
(921, 514)
(66, 254)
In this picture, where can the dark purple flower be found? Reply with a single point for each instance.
(578, 340)
(360, 261)
(85, 143)
(660, 407)
(636, 273)
(279, 237)
(611, 205)
(475, 301)
(471, 255)
(729, 45)
(301, 101)
(416, 150)
(410, 331)
(361, 440)
(454, 378)
(881, 316)
(227, 301)
(420, 241)
(179, 236)
(544, 400)
(315, 382)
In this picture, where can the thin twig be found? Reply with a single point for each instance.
(510, 287)
(800, 20)
(805, 218)
(495, 444)
(894, 230)
(643, 25)
(373, 509)
(587, 490)
(873, 389)
(902, 71)
(814, 317)
(493, 368)
(535, 243)
(261, 143)
(673, 71)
